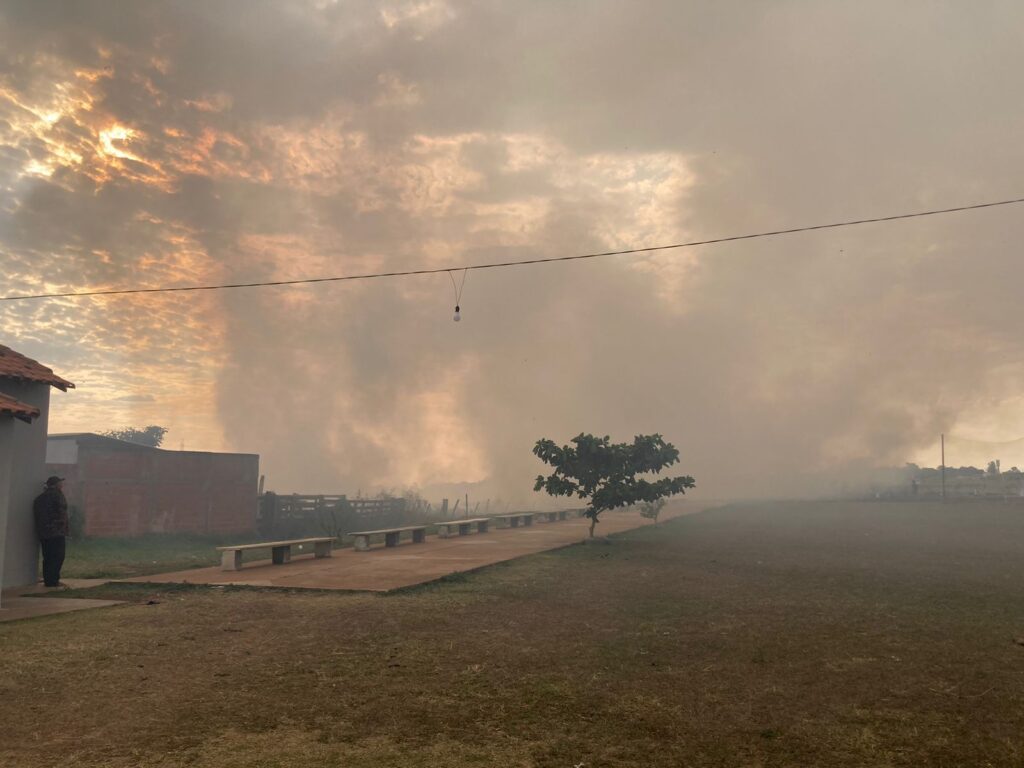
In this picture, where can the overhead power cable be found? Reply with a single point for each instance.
(520, 263)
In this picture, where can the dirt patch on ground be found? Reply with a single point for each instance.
(790, 634)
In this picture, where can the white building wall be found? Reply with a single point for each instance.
(6, 456)
(28, 474)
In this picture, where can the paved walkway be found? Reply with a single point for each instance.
(382, 570)
(19, 603)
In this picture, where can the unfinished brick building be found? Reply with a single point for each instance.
(123, 489)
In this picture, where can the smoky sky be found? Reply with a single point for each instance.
(185, 143)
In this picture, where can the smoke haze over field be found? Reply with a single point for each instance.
(186, 143)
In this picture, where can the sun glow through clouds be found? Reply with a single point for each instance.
(117, 133)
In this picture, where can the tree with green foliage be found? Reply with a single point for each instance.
(651, 509)
(605, 473)
(152, 435)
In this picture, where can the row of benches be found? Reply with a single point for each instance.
(281, 551)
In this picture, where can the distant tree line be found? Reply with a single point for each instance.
(992, 470)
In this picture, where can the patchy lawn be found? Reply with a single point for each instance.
(765, 635)
(122, 557)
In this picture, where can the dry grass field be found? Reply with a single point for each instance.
(798, 634)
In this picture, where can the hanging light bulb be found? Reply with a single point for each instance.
(457, 289)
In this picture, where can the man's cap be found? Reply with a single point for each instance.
(53, 480)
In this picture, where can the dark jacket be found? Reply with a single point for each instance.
(50, 510)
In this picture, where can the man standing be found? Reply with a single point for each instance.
(51, 514)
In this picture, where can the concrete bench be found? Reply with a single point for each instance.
(280, 551)
(361, 539)
(552, 517)
(462, 527)
(513, 519)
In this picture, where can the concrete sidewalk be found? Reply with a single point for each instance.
(382, 570)
(21, 603)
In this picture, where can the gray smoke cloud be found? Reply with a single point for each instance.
(223, 142)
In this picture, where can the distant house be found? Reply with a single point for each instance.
(118, 488)
(24, 414)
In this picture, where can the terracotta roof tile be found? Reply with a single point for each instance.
(16, 366)
(19, 410)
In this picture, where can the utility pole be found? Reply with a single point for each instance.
(942, 467)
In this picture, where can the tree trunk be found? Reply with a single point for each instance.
(593, 522)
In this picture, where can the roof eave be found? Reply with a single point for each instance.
(56, 381)
(18, 410)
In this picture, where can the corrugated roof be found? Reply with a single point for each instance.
(19, 410)
(14, 365)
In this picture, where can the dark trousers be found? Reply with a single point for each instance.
(53, 560)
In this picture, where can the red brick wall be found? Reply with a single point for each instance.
(128, 492)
